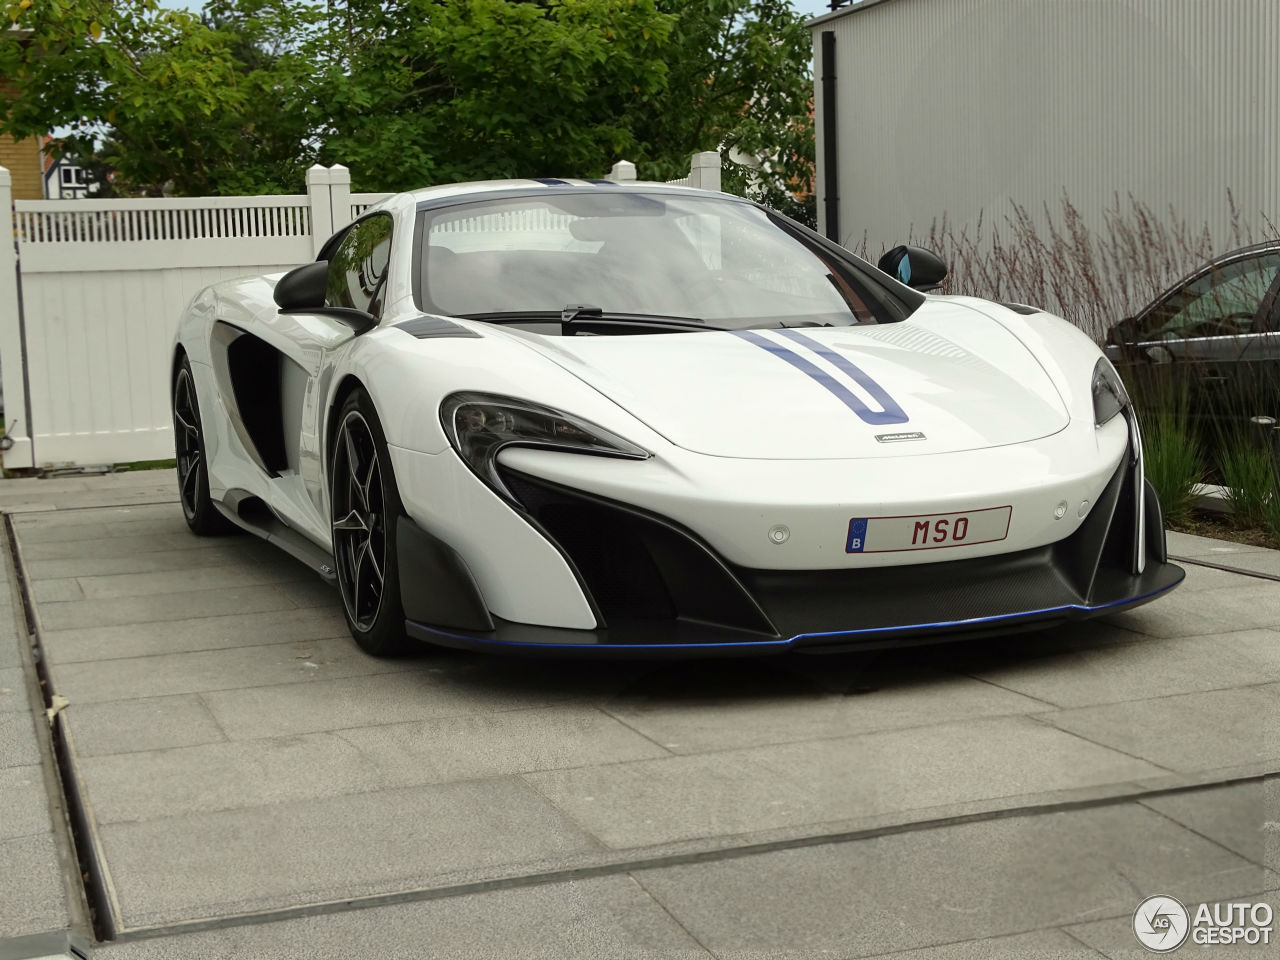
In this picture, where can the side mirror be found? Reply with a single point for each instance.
(303, 290)
(304, 287)
(918, 268)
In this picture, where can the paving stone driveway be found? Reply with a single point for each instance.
(240, 754)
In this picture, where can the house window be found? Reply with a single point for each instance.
(71, 177)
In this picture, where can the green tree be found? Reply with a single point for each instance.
(431, 91)
(244, 97)
(740, 81)
(212, 105)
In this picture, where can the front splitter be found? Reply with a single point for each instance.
(674, 639)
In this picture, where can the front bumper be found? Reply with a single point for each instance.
(659, 590)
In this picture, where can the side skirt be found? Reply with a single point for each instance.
(251, 514)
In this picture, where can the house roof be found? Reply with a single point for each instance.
(856, 7)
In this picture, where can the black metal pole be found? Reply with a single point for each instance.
(831, 175)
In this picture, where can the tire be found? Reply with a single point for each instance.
(364, 507)
(201, 514)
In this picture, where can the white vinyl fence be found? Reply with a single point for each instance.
(91, 291)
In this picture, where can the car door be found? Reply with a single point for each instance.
(1215, 337)
(358, 260)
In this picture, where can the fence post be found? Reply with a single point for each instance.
(624, 171)
(13, 373)
(321, 208)
(704, 171)
(340, 195)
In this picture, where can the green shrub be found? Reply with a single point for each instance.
(1248, 474)
(1172, 449)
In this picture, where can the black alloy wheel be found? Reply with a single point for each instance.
(365, 508)
(189, 449)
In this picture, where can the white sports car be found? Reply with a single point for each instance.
(574, 416)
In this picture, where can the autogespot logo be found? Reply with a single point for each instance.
(1161, 924)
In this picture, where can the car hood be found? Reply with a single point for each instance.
(949, 378)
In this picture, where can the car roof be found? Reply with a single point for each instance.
(1266, 246)
(445, 194)
(444, 191)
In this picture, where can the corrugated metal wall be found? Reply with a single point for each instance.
(959, 107)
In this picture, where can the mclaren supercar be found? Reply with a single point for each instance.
(590, 418)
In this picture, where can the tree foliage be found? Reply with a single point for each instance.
(430, 91)
(740, 82)
(245, 96)
(162, 96)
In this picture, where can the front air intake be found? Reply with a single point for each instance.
(637, 565)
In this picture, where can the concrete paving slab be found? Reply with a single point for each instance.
(1114, 938)
(320, 850)
(17, 740)
(171, 606)
(1271, 838)
(223, 776)
(1137, 671)
(188, 636)
(10, 651)
(52, 490)
(489, 745)
(1234, 816)
(54, 591)
(154, 583)
(104, 490)
(147, 723)
(41, 544)
(1190, 545)
(414, 692)
(696, 722)
(97, 515)
(1267, 562)
(240, 551)
(168, 527)
(1205, 612)
(22, 799)
(585, 920)
(31, 892)
(1036, 945)
(937, 886)
(380, 782)
(311, 592)
(742, 791)
(1207, 578)
(1198, 731)
(156, 784)
(13, 690)
(297, 661)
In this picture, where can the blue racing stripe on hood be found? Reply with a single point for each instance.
(891, 413)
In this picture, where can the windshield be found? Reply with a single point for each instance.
(725, 263)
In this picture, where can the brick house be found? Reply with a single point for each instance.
(24, 161)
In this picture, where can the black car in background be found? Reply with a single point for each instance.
(1213, 339)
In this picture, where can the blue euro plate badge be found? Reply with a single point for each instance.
(928, 531)
(857, 535)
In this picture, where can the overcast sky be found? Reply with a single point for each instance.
(813, 8)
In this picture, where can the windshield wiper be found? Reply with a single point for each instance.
(581, 317)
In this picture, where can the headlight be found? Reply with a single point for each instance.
(1109, 394)
(480, 425)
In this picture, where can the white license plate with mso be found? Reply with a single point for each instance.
(928, 531)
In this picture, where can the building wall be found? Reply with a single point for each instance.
(961, 107)
(22, 158)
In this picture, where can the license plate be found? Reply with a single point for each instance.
(932, 532)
